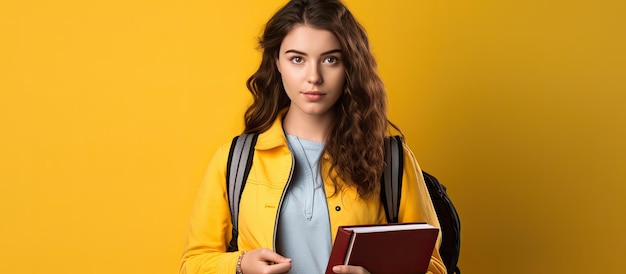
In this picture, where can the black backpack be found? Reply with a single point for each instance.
(240, 161)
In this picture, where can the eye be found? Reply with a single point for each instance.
(330, 60)
(297, 60)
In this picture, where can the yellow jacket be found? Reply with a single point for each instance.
(210, 225)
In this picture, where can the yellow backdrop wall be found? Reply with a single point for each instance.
(110, 111)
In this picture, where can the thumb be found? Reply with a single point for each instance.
(277, 258)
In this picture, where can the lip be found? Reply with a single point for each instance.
(313, 95)
(313, 92)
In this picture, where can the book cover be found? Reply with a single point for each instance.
(385, 248)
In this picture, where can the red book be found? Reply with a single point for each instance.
(385, 248)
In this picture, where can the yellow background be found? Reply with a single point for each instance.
(110, 111)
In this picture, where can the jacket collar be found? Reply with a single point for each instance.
(275, 136)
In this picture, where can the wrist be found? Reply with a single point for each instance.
(238, 268)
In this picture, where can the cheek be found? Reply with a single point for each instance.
(286, 78)
(338, 79)
(290, 81)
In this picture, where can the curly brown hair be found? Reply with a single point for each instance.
(355, 142)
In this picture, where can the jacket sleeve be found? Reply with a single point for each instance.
(416, 205)
(210, 225)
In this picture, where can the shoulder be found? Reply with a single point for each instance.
(409, 157)
(220, 157)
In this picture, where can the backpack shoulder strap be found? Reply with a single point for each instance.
(391, 181)
(237, 169)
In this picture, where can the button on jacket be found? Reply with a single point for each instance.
(210, 225)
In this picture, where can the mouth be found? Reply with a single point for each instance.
(313, 92)
(313, 95)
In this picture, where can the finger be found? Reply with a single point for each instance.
(341, 269)
(280, 267)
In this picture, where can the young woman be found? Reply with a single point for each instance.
(320, 109)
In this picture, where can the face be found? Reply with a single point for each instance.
(312, 72)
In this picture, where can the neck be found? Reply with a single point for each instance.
(308, 127)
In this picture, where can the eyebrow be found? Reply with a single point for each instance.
(323, 53)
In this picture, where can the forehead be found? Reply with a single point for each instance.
(309, 40)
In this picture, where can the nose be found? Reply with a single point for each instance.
(315, 75)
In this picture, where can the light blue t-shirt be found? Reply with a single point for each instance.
(303, 224)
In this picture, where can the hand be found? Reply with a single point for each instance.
(263, 260)
(350, 269)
